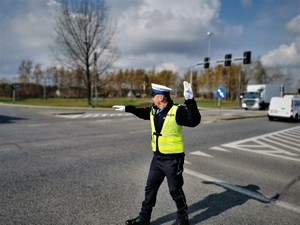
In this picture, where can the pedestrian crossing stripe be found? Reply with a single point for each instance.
(92, 115)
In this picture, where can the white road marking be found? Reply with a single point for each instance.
(265, 135)
(92, 115)
(200, 153)
(281, 144)
(207, 122)
(217, 148)
(244, 191)
(87, 115)
(39, 125)
(271, 139)
(289, 139)
(70, 116)
(292, 134)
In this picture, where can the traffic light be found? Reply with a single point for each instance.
(206, 63)
(227, 61)
(247, 57)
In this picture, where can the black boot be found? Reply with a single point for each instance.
(182, 221)
(138, 221)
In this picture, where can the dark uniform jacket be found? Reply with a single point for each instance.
(187, 115)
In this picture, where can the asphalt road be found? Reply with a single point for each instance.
(62, 166)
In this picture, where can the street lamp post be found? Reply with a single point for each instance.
(209, 34)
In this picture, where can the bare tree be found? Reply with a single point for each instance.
(260, 75)
(25, 70)
(279, 75)
(85, 38)
(37, 73)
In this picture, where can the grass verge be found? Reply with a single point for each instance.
(109, 102)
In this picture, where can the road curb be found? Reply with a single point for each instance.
(216, 118)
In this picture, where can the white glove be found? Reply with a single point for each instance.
(187, 91)
(120, 108)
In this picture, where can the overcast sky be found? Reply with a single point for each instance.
(167, 34)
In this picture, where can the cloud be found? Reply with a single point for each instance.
(157, 26)
(246, 3)
(283, 55)
(26, 33)
(293, 25)
(173, 31)
(169, 34)
(286, 54)
(32, 30)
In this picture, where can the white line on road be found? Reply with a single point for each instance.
(262, 136)
(266, 145)
(244, 191)
(200, 153)
(93, 115)
(207, 122)
(217, 148)
(286, 139)
(291, 134)
(39, 125)
(87, 115)
(274, 141)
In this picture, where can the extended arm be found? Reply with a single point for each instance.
(143, 113)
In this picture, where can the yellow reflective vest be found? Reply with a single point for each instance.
(169, 140)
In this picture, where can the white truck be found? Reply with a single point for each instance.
(258, 96)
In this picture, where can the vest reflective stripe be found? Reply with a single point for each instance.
(170, 139)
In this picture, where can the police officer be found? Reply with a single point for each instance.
(166, 120)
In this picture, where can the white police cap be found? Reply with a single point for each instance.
(160, 89)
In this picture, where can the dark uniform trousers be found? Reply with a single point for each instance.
(161, 167)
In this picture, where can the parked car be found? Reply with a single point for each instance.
(287, 107)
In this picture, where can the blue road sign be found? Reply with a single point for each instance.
(17, 85)
(221, 92)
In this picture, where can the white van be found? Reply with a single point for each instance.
(287, 107)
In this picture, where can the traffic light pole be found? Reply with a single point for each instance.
(219, 107)
(227, 60)
(14, 95)
(191, 72)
